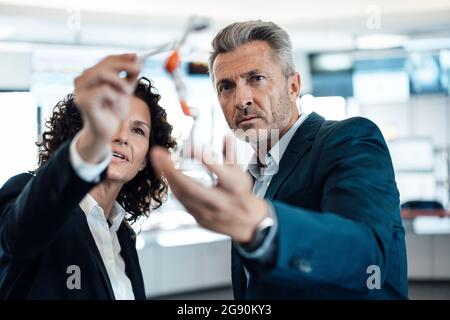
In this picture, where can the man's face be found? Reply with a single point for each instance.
(253, 91)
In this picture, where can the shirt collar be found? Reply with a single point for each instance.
(277, 151)
(273, 157)
(89, 205)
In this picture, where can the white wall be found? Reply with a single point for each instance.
(16, 70)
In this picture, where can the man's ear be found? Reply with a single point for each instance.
(294, 84)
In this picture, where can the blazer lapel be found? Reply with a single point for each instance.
(238, 276)
(299, 145)
(129, 255)
(87, 235)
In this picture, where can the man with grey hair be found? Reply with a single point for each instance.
(315, 217)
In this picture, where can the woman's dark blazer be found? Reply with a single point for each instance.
(47, 250)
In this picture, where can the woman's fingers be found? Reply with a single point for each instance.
(128, 63)
(108, 70)
(106, 94)
(102, 95)
(105, 75)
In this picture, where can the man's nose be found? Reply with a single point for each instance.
(244, 96)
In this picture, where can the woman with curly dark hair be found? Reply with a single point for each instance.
(63, 227)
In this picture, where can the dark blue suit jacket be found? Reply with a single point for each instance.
(338, 212)
(43, 231)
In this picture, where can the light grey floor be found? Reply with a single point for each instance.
(423, 290)
(211, 294)
(439, 290)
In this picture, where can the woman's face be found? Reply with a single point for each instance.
(131, 143)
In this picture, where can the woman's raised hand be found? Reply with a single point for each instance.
(102, 96)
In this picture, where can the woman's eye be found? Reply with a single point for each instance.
(139, 131)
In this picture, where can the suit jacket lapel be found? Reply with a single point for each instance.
(129, 255)
(238, 276)
(87, 235)
(299, 145)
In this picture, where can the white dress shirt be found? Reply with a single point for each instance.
(105, 237)
(263, 176)
(108, 244)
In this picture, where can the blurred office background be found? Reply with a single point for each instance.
(385, 60)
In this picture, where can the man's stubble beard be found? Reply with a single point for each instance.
(267, 137)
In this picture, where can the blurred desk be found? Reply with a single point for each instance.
(413, 213)
(428, 247)
(183, 259)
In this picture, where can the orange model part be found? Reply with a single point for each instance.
(172, 62)
(185, 108)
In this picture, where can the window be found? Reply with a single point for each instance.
(18, 130)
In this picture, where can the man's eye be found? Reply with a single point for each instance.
(257, 77)
(224, 87)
